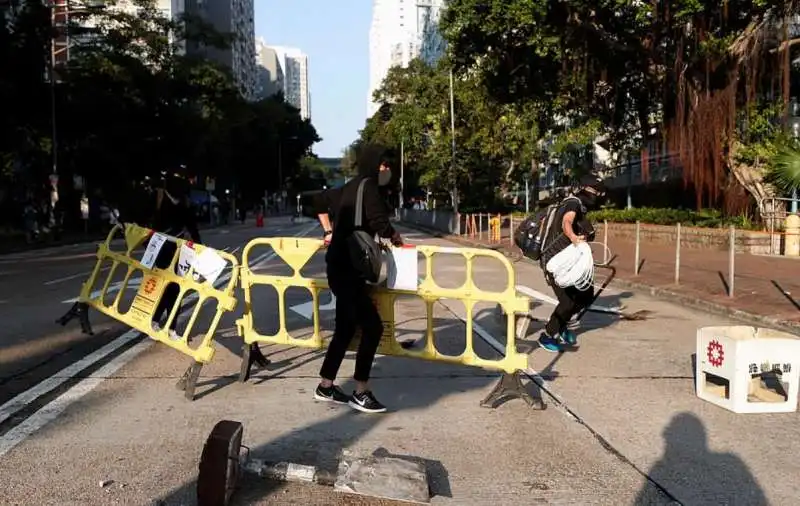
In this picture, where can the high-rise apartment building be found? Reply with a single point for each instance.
(63, 10)
(397, 35)
(269, 71)
(230, 17)
(294, 64)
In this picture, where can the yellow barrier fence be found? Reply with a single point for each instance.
(296, 253)
(200, 268)
(494, 228)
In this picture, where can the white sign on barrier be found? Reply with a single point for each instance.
(403, 271)
(186, 258)
(209, 264)
(153, 249)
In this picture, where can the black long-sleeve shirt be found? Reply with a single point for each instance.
(340, 203)
(172, 218)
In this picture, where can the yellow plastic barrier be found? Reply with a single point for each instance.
(494, 226)
(153, 283)
(297, 252)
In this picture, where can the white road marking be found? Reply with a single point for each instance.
(52, 410)
(535, 294)
(115, 287)
(23, 399)
(306, 309)
(79, 275)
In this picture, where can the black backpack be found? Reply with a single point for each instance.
(534, 230)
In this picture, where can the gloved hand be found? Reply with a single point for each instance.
(396, 239)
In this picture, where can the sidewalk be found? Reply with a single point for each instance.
(766, 288)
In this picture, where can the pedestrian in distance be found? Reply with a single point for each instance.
(354, 305)
(174, 216)
(570, 226)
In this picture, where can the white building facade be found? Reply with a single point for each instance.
(401, 30)
(294, 68)
(270, 79)
(236, 17)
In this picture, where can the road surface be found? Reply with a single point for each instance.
(623, 425)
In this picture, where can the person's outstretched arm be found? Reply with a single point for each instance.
(323, 203)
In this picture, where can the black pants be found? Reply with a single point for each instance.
(354, 308)
(171, 292)
(571, 301)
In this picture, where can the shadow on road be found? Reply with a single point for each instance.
(321, 443)
(689, 472)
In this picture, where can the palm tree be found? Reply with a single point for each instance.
(784, 171)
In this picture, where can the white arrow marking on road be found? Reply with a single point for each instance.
(306, 309)
(133, 283)
(530, 292)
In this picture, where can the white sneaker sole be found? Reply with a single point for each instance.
(328, 399)
(359, 407)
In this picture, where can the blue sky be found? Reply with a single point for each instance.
(335, 36)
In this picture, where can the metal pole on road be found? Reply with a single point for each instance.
(402, 172)
(280, 176)
(527, 197)
(636, 257)
(453, 142)
(678, 253)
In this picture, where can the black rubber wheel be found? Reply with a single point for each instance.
(219, 464)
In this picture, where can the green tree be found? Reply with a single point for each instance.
(632, 72)
(129, 108)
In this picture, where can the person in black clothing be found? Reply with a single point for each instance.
(354, 306)
(570, 226)
(174, 214)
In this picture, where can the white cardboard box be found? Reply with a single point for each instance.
(748, 370)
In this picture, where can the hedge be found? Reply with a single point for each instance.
(708, 218)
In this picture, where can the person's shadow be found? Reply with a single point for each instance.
(689, 473)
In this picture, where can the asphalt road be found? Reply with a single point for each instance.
(38, 287)
(623, 425)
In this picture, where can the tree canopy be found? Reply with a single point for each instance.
(129, 105)
(539, 80)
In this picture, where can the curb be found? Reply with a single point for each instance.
(665, 294)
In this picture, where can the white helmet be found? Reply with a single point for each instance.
(573, 266)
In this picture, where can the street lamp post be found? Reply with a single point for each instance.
(453, 143)
(795, 134)
(527, 195)
(402, 172)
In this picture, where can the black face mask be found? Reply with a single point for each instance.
(590, 201)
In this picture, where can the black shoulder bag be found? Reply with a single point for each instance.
(365, 252)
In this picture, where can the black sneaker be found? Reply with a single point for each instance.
(331, 394)
(366, 402)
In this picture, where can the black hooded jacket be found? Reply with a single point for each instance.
(171, 217)
(340, 204)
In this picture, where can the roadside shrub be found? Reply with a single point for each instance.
(707, 218)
